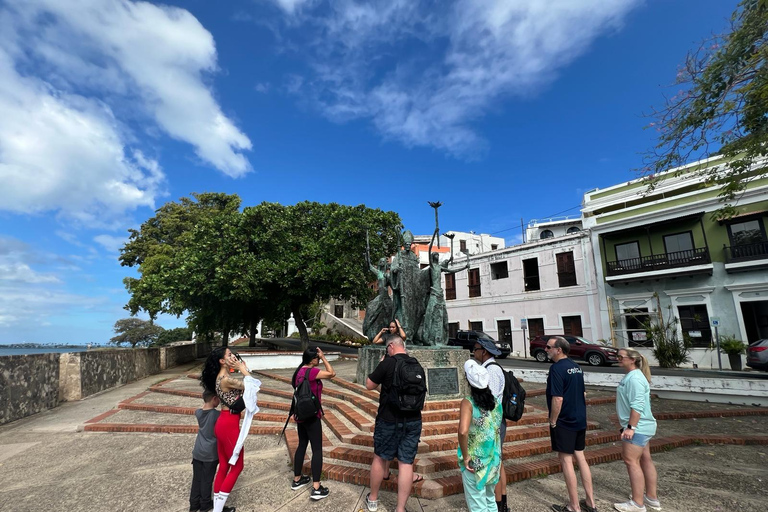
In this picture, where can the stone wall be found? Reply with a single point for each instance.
(33, 383)
(174, 356)
(28, 384)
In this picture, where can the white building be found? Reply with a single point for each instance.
(550, 282)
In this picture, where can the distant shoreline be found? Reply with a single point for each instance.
(16, 350)
(44, 345)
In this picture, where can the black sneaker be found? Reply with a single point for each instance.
(319, 493)
(229, 509)
(296, 485)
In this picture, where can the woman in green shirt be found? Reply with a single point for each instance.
(633, 407)
(479, 443)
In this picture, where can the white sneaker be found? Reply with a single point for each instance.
(629, 506)
(652, 504)
(371, 505)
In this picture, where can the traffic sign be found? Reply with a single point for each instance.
(715, 321)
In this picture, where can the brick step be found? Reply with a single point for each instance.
(267, 404)
(450, 483)
(167, 409)
(433, 462)
(168, 429)
(449, 441)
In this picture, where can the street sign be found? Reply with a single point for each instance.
(715, 321)
(523, 323)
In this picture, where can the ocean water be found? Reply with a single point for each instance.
(7, 351)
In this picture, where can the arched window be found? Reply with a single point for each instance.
(573, 229)
(546, 234)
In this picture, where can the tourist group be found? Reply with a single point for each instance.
(494, 398)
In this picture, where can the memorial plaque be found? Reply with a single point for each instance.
(443, 381)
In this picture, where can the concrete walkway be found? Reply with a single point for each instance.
(47, 462)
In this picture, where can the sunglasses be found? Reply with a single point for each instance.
(476, 349)
(549, 347)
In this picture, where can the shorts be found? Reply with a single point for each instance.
(400, 439)
(567, 441)
(639, 440)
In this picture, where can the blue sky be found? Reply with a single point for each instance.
(502, 110)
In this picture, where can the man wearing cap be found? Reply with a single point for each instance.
(566, 401)
(484, 352)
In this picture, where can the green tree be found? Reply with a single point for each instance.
(721, 107)
(136, 332)
(178, 252)
(314, 251)
(172, 335)
(229, 269)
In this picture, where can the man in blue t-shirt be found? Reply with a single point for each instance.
(566, 401)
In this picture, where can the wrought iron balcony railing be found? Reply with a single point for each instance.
(746, 252)
(677, 259)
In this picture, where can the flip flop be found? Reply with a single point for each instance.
(389, 474)
(419, 478)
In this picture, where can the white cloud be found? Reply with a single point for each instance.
(291, 6)
(30, 296)
(423, 71)
(75, 76)
(111, 243)
(15, 257)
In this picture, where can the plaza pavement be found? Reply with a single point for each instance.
(53, 462)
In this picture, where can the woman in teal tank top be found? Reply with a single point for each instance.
(638, 426)
(479, 449)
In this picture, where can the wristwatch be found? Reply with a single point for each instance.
(630, 427)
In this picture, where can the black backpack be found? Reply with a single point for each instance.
(513, 398)
(409, 384)
(305, 405)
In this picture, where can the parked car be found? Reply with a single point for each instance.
(757, 355)
(467, 339)
(595, 353)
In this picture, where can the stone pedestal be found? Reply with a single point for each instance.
(444, 367)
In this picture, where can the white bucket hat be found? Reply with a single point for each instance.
(476, 375)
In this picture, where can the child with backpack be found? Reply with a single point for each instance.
(307, 412)
(205, 457)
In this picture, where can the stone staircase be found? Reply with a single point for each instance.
(350, 412)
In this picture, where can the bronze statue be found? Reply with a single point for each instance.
(434, 327)
(379, 311)
(408, 288)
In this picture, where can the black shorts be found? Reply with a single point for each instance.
(567, 441)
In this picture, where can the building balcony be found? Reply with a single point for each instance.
(671, 264)
(745, 257)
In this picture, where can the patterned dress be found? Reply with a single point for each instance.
(484, 445)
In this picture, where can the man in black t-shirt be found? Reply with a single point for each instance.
(397, 433)
(566, 401)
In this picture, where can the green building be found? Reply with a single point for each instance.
(666, 250)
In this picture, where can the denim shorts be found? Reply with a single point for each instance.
(639, 440)
(400, 439)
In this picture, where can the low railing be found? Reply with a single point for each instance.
(746, 252)
(677, 259)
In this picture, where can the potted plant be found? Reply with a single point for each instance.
(734, 348)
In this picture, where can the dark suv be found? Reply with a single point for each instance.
(593, 352)
(467, 339)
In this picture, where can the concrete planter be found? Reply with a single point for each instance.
(735, 360)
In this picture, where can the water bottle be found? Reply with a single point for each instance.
(514, 399)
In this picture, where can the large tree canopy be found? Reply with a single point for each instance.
(721, 107)
(229, 268)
